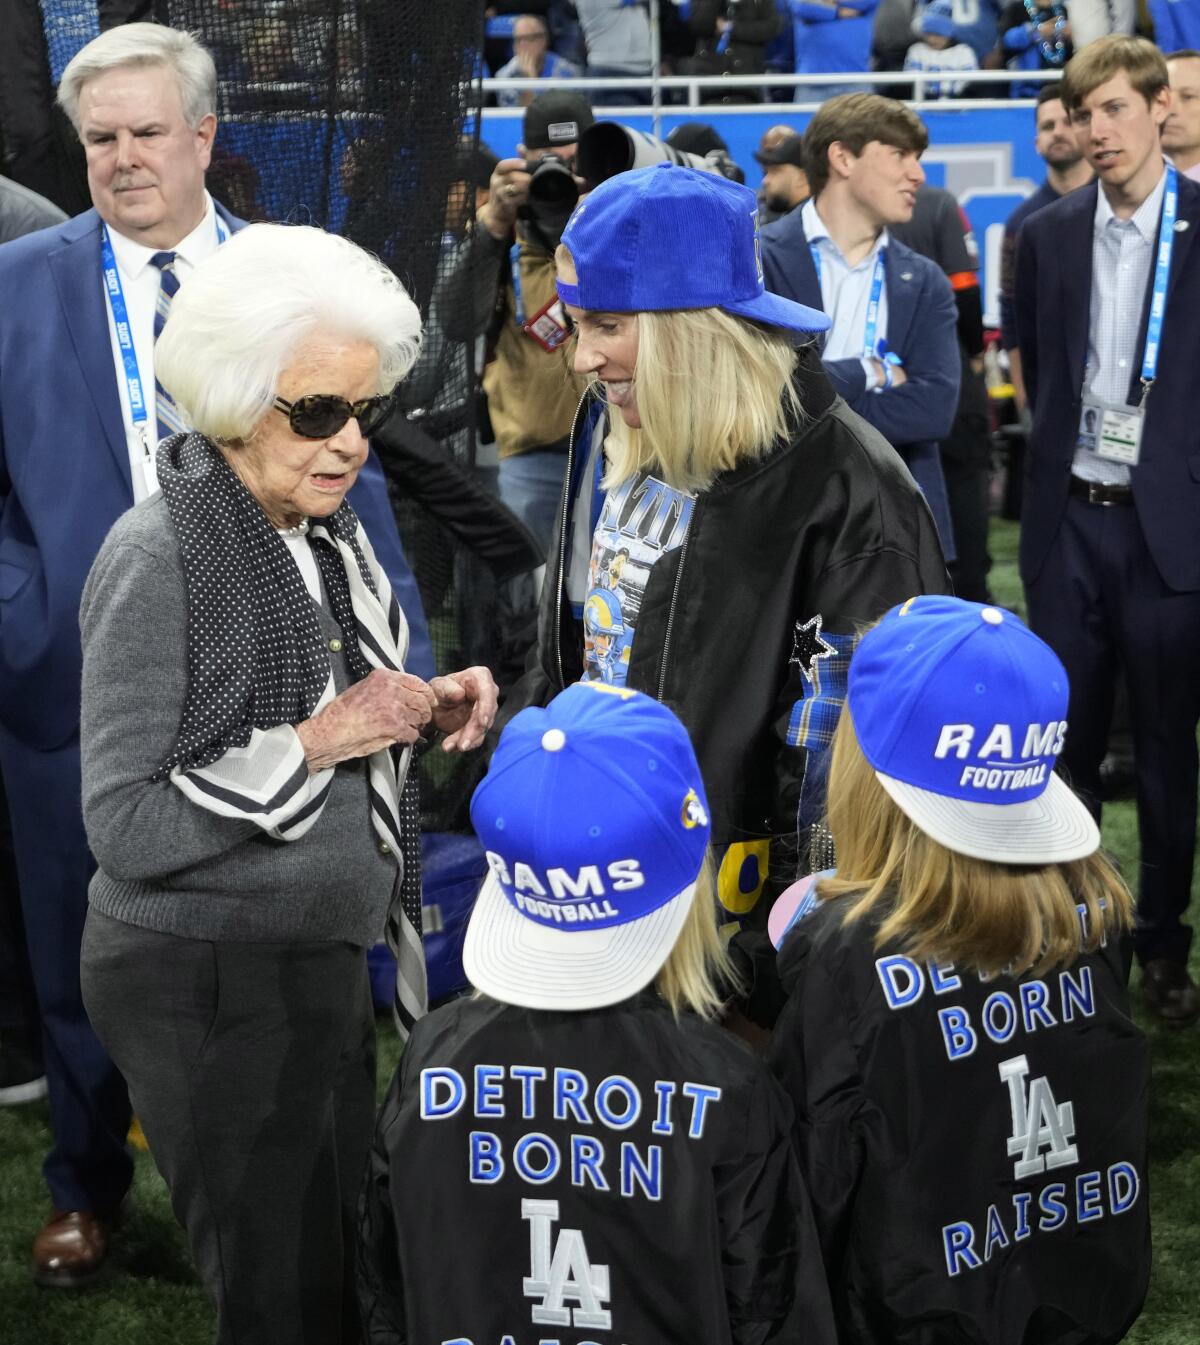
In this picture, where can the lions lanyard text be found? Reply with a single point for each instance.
(1162, 274)
(870, 348)
(116, 299)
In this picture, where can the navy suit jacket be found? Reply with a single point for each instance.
(922, 328)
(1052, 299)
(65, 475)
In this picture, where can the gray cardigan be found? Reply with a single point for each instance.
(164, 862)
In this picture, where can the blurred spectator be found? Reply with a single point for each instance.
(731, 39)
(772, 137)
(1091, 19)
(234, 180)
(23, 211)
(940, 231)
(1176, 25)
(532, 59)
(938, 49)
(500, 17)
(698, 137)
(785, 183)
(617, 36)
(830, 38)
(1181, 130)
(1034, 36)
(1066, 169)
(976, 23)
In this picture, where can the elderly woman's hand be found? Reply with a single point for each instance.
(384, 708)
(465, 708)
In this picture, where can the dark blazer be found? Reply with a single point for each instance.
(1052, 299)
(922, 329)
(64, 473)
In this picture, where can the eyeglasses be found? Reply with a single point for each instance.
(320, 415)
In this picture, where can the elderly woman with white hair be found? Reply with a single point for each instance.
(247, 733)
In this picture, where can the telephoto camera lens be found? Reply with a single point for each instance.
(552, 183)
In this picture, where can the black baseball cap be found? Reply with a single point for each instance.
(789, 150)
(557, 117)
(696, 137)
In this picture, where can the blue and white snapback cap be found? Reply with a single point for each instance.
(669, 237)
(595, 825)
(962, 711)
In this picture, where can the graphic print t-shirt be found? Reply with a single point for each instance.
(641, 521)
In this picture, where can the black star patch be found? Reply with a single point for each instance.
(808, 646)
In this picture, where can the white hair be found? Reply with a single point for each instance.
(145, 44)
(250, 309)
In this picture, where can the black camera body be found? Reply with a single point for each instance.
(551, 182)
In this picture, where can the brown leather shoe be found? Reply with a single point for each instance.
(71, 1249)
(1170, 993)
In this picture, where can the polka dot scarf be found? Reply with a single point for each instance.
(257, 661)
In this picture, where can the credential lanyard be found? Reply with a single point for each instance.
(514, 258)
(120, 312)
(1162, 275)
(869, 350)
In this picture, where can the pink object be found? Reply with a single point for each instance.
(784, 912)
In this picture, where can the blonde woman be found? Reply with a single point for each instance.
(970, 1092)
(728, 522)
(577, 1146)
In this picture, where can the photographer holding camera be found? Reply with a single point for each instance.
(503, 285)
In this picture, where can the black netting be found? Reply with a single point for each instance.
(361, 118)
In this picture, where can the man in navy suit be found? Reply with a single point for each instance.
(1105, 303)
(76, 368)
(892, 351)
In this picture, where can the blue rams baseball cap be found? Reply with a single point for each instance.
(670, 237)
(962, 712)
(595, 826)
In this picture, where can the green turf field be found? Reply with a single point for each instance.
(152, 1297)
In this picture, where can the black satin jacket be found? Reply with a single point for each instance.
(614, 1175)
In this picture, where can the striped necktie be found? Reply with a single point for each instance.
(169, 419)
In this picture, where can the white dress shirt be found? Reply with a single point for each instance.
(140, 282)
(846, 293)
(302, 553)
(1122, 258)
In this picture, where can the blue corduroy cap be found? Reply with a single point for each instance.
(670, 237)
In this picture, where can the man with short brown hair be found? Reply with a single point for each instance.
(892, 351)
(1110, 551)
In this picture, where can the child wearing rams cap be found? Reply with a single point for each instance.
(970, 1092)
(576, 1154)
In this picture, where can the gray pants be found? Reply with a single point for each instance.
(252, 1069)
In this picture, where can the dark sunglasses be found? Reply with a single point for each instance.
(320, 415)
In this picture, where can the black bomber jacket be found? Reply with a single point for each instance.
(975, 1150)
(609, 1177)
(819, 538)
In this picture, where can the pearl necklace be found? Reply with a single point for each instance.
(300, 530)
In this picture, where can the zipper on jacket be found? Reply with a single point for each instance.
(683, 550)
(562, 546)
